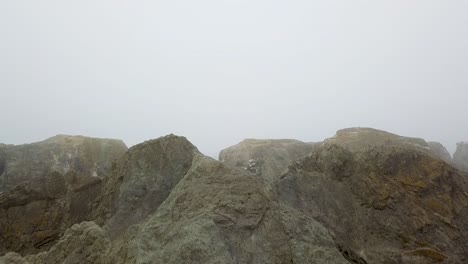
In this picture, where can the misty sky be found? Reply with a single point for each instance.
(220, 71)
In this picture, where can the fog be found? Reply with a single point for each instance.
(221, 71)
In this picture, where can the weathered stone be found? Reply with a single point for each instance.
(218, 214)
(266, 158)
(440, 151)
(364, 196)
(143, 179)
(84, 243)
(31, 162)
(385, 200)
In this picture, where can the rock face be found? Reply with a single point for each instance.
(460, 157)
(144, 178)
(440, 151)
(385, 202)
(57, 181)
(364, 196)
(218, 214)
(84, 243)
(188, 208)
(266, 158)
(31, 162)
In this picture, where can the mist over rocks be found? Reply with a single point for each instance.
(440, 151)
(460, 157)
(84, 156)
(49, 186)
(362, 196)
(266, 158)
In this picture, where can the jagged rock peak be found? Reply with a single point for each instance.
(170, 140)
(144, 178)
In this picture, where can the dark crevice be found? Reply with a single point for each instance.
(45, 242)
(350, 255)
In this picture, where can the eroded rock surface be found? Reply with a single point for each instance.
(143, 179)
(209, 213)
(385, 202)
(364, 196)
(56, 183)
(32, 162)
(440, 151)
(266, 158)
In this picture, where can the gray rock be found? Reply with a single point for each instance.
(363, 196)
(385, 200)
(84, 243)
(460, 157)
(49, 186)
(207, 213)
(218, 214)
(143, 179)
(32, 162)
(440, 151)
(267, 158)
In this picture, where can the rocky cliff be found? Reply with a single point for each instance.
(385, 202)
(55, 184)
(172, 204)
(363, 196)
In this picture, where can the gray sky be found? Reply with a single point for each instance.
(220, 71)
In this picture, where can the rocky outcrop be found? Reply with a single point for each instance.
(218, 214)
(82, 155)
(204, 212)
(356, 139)
(460, 157)
(364, 196)
(33, 217)
(440, 151)
(265, 158)
(384, 199)
(143, 179)
(57, 183)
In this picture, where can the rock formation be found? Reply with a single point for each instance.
(460, 157)
(266, 158)
(363, 196)
(57, 181)
(31, 162)
(440, 151)
(188, 208)
(385, 202)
